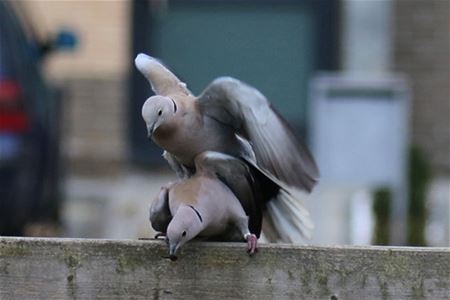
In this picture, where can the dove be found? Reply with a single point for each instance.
(206, 205)
(232, 118)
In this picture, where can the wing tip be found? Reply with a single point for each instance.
(143, 61)
(225, 80)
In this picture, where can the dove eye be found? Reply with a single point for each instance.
(183, 234)
(159, 112)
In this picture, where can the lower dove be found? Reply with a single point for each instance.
(206, 205)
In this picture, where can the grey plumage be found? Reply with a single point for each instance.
(233, 118)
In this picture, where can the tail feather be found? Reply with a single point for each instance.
(287, 219)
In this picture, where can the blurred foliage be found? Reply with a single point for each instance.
(419, 175)
(382, 208)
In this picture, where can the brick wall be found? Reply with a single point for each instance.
(422, 52)
(94, 130)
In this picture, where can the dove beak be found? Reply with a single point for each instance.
(150, 131)
(172, 250)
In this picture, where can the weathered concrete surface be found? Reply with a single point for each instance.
(126, 269)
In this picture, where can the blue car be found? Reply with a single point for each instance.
(29, 128)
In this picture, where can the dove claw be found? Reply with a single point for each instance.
(252, 244)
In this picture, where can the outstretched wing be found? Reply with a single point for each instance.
(162, 80)
(276, 147)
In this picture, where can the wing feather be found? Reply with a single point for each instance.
(276, 147)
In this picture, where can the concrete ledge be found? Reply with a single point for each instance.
(34, 268)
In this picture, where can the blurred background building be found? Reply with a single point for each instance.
(109, 173)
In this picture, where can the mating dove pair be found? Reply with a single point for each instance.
(237, 160)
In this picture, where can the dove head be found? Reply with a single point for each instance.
(185, 225)
(157, 112)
